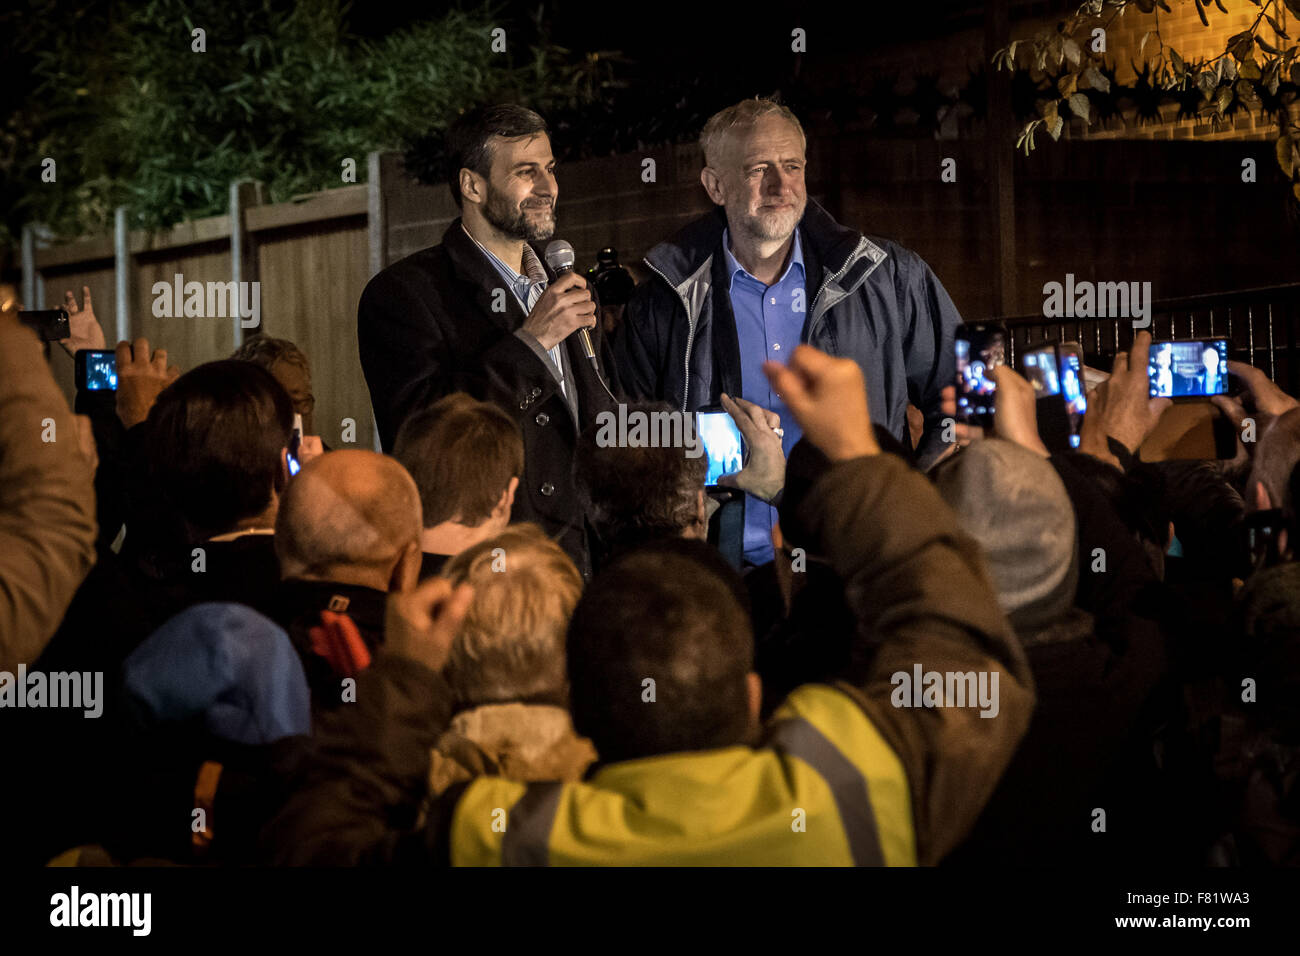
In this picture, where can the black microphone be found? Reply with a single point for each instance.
(560, 257)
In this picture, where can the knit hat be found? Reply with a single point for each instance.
(1014, 504)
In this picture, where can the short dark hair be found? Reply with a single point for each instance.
(633, 496)
(215, 436)
(469, 138)
(462, 454)
(668, 613)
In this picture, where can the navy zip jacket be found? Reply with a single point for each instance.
(870, 300)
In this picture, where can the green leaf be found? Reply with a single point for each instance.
(1071, 51)
(1250, 69)
(1067, 84)
(1054, 128)
(1079, 107)
(1277, 27)
(1200, 11)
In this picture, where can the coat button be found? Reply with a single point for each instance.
(548, 489)
(542, 418)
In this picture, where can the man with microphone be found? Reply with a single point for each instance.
(480, 313)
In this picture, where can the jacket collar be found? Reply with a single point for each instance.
(837, 248)
(473, 268)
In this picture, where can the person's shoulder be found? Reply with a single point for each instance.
(425, 262)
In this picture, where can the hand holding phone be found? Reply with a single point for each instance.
(980, 347)
(1015, 418)
(723, 444)
(1192, 368)
(141, 377)
(1122, 407)
(763, 474)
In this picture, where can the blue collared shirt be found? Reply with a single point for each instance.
(769, 324)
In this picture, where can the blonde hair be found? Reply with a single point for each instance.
(742, 115)
(511, 644)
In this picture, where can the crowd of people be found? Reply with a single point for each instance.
(368, 662)
(880, 637)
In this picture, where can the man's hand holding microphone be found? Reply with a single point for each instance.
(563, 308)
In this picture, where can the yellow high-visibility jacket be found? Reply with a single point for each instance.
(824, 789)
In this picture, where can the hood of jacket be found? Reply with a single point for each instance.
(228, 664)
(525, 742)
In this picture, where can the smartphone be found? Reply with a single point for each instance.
(1042, 370)
(1188, 368)
(980, 347)
(295, 443)
(50, 324)
(1073, 389)
(96, 370)
(723, 444)
(1041, 367)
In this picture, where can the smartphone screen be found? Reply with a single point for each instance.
(97, 370)
(1042, 371)
(1188, 369)
(295, 442)
(980, 348)
(1072, 387)
(722, 443)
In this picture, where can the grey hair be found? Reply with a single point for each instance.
(742, 115)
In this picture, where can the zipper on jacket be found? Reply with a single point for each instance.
(858, 252)
(690, 334)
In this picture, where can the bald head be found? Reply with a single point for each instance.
(348, 517)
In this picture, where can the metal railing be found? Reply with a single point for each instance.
(1259, 324)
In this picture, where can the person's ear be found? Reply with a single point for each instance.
(754, 698)
(506, 503)
(712, 183)
(406, 572)
(472, 186)
(284, 471)
(1262, 500)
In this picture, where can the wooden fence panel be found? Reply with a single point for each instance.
(312, 279)
(189, 340)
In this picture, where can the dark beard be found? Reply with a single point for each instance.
(513, 222)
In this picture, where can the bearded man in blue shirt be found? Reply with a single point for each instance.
(770, 269)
